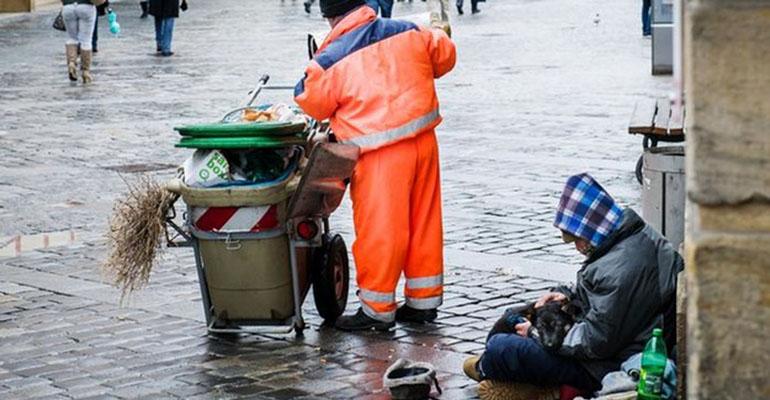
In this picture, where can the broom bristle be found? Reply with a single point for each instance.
(137, 229)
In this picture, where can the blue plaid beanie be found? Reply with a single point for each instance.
(586, 210)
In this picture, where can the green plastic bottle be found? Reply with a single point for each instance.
(654, 360)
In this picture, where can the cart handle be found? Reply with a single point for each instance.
(260, 84)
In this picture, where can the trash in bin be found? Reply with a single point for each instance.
(214, 168)
(206, 168)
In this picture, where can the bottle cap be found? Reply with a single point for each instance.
(657, 332)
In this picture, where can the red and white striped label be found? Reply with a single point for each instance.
(235, 219)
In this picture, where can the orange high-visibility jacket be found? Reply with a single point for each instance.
(374, 79)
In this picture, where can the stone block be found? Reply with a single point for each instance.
(728, 310)
(750, 217)
(727, 53)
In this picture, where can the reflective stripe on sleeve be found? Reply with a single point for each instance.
(427, 303)
(378, 139)
(425, 282)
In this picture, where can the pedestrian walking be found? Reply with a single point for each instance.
(474, 6)
(145, 9)
(385, 7)
(373, 78)
(79, 17)
(646, 17)
(165, 13)
(307, 4)
(100, 12)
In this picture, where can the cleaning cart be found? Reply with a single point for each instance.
(259, 248)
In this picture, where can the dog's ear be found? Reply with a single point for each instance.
(571, 309)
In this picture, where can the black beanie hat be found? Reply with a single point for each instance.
(334, 8)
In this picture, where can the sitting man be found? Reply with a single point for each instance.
(627, 286)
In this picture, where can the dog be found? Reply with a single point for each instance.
(550, 323)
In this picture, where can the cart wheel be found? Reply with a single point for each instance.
(638, 170)
(331, 278)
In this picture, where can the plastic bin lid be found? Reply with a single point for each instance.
(241, 129)
(240, 142)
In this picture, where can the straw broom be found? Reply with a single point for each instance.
(135, 237)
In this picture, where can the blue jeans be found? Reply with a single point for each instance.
(646, 10)
(164, 31)
(385, 7)
(510, 357)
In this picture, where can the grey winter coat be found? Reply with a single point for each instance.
(627, 287)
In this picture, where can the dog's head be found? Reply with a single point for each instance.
(552, 323)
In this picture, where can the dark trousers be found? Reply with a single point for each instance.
(646, 17)
(510, 357)
(474, 4)
(384, 6)
(95, 37)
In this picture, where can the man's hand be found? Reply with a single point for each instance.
(548, 297)
(523, 328)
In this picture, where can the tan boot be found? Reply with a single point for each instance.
(71, 50)
(85, 65)
(470, 368)
(496, 390)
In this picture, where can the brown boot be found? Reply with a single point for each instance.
(85, 65)
(497, 390)
(71, 50)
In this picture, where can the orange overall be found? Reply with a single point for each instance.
(374, 79)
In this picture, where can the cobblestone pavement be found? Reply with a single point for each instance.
(543, 89)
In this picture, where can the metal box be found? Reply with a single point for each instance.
(663, 195)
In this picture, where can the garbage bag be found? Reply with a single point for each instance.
(206, 168)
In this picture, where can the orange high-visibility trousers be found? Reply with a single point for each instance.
(396, 193)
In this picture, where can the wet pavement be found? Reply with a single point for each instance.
(542, 90)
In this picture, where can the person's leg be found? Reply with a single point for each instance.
(512, 358)
(70, 16)
(460, 7)
(646, 23)
(145, 9)
(71, 45)
(475, 6)
(386, 7)
(424, 268)
(158, 33)
(95, 37)
(168, 33)
(379, 189)
(86, 17)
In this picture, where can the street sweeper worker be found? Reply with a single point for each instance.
(374, 80)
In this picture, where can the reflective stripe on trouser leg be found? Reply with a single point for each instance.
(380, 188)
(424, 268)
(378, 305)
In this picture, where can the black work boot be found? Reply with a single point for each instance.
(361, 322)
(409, 314)
(145, 9)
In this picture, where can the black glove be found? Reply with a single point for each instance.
(183, 6)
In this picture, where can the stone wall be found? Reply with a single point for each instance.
(727, 80)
